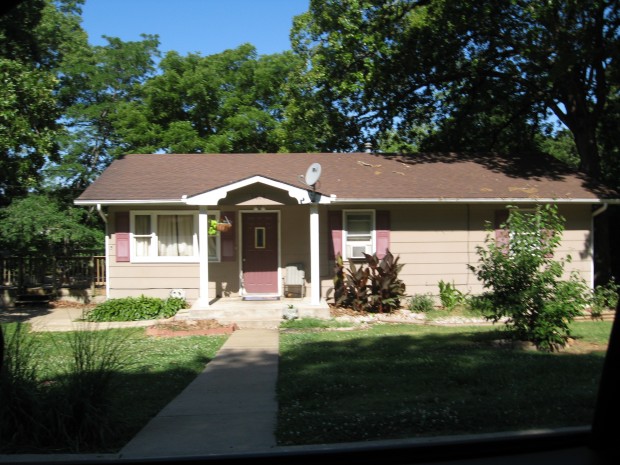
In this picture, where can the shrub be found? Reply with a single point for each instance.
(604, 297)
(371, 288)
(136, 308)
(421, 303)
(523, 279)
(449, 295)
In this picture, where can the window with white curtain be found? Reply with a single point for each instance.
(169, 236)
(359, 233)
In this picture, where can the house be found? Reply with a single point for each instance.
(292, 213)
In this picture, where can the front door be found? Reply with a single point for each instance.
(260, 253)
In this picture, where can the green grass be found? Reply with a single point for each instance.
(155, 371)
(396, 381)
(314, 323)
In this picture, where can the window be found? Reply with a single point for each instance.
(169, 236)
(532, 235)
(359, 234)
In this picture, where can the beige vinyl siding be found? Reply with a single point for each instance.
(434, 242)
(157, 279)
(437, 242)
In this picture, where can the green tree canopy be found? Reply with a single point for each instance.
(35, 37)
(234, 101)
(39, 224)
(477, 75)
(101, 95)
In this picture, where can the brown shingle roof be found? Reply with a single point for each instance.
(156, 177)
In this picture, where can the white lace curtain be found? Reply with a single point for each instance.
(176, 235)
(143, 235)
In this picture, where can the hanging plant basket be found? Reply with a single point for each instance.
(221, 226)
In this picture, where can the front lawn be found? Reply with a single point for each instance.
(397, 381)
(152, 371)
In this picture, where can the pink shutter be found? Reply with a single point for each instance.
(502, 235)
(382, 226)
(334, 223)
(122, 237)
(227, 239)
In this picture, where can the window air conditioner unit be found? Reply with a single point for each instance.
(357, 251)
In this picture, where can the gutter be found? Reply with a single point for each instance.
(129, 202)
(475, 201)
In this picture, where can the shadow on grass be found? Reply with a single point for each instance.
(23, 314)
(343, 387)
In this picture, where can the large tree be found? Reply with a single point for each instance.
(35, 37)
(233, 101)
(100, 91)
(474, 74)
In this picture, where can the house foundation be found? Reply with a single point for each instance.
(255, 313)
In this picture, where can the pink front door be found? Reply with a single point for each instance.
(260, 253)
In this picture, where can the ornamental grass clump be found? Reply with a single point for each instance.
(524, 280)
(20, 406)
(73, 410)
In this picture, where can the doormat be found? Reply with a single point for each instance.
(261, 297)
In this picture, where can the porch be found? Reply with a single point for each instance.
(255, 313)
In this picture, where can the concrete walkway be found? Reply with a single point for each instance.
(229, 408)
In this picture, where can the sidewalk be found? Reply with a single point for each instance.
(229, 408)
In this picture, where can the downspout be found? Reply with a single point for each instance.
(600, 210)
(595, 213)
(104, 217)
(101, 214)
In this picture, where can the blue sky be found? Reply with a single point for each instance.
(204, 26)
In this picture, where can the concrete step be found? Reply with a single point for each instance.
(236, 314)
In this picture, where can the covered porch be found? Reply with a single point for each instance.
(262, 243)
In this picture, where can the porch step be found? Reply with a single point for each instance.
(257, 314)
(233, 315)
(253, 324)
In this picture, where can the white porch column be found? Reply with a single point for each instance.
(315, 276)
(203, 244)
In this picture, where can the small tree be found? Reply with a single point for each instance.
(524, 280)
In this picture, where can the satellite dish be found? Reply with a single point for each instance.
(313, 174)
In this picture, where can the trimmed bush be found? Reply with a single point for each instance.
(136, 308)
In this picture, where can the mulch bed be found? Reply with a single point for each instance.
(180, 328)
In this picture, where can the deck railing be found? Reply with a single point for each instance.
(80, 272)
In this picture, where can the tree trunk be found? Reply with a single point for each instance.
(587, 148)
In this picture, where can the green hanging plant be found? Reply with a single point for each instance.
(212, 227)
